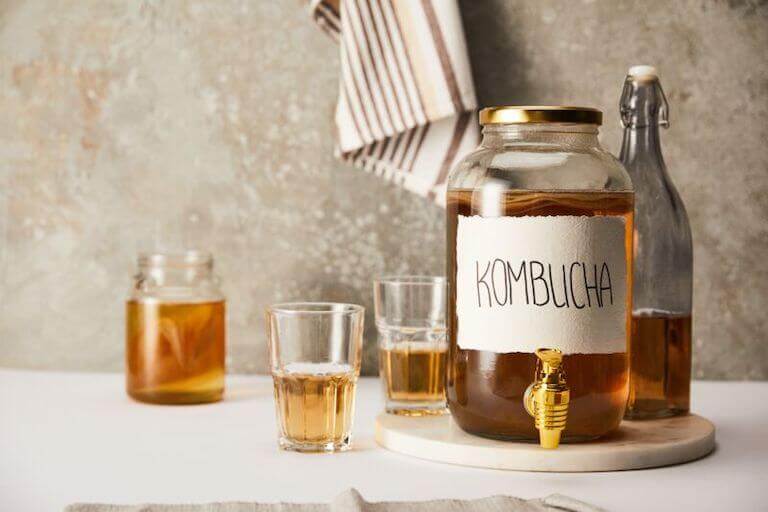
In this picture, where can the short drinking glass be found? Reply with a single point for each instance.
(410, 317)
(315, 351)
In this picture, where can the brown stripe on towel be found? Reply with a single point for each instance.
(333, 6)
(382, 166)
(380, 156)
(349, 43)
(395, 147)
(371, 71)
(355, 89)
(409, 61)
(355, 156)
(407, 147)
(442, 53)
(424, 130)
(370, 164)
(382, 63)
(408, 100)
(344, 97)
(328, 20)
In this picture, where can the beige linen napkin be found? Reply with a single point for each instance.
(351, 501)
(406, 96)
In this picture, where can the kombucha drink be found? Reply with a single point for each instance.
(660, 359)
(175, 351)
(485, 387)
(315, 404)
(413, 373)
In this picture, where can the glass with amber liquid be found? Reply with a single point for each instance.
(410, 318)
(175, 330)
(539, 244)
(315, 403)
(660, 347)
(315, 353)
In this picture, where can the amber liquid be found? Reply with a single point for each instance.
(660, 366)
(175, 351)
(414, 378)
(315, 405)
(485, 389)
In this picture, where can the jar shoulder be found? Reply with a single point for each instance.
(146, 289)
(532, 167)
(174, 297)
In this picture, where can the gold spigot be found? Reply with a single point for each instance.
(546, 399)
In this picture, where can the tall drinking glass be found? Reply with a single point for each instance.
(410, 317)
(315, 352)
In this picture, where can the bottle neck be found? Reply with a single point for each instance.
(641, 144)
(643, 108)
(574, 136)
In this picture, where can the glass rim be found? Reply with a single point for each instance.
(410, 280)
(314, 308)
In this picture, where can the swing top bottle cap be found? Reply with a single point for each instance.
(643, 71)
(540, 114)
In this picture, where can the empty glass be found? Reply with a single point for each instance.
(315, 352)
(410, 317)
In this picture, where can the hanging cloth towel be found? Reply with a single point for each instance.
(406, 99)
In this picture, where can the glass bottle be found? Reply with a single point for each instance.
(660, 345)
(539, 264)
(175, 330)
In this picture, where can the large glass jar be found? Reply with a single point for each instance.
(539, 246)
(175, 330)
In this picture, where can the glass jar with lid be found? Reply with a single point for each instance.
(539, 262)
(175, 330)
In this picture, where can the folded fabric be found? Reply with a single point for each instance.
(406, 96)
(351, 501)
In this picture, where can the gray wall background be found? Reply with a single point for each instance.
(214, 120)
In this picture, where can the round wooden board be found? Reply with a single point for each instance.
(636, 445)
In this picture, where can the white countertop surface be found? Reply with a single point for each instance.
(68, 438)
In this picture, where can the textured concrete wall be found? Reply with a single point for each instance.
(214, 119)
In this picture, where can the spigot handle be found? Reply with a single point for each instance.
(547, 397)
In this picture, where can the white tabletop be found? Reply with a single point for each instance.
(76, 437)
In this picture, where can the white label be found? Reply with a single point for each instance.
(524, 283)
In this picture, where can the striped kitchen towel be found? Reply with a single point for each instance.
(406, 99)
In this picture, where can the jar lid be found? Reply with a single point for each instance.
(540, 114)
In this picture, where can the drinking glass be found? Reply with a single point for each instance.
(410, 318)
(315, 352)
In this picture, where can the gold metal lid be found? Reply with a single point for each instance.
(540, 114)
